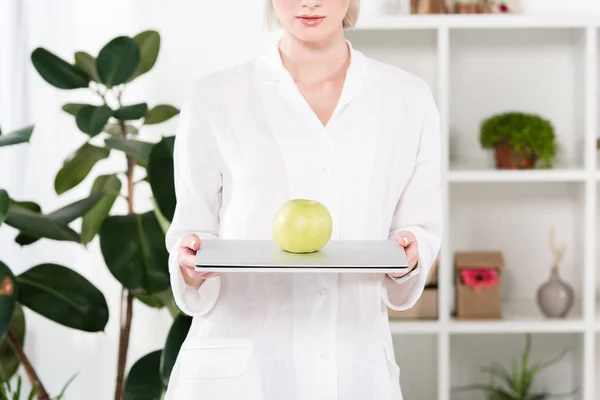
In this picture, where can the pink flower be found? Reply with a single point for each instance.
(479, 278)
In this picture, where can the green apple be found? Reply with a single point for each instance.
(302, 226)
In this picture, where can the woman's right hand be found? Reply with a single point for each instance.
(190, 244)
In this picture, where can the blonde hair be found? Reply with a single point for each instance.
(348, 22)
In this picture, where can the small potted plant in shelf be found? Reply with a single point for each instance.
(519, 140)
(519, 383)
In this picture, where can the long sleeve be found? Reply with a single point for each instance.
(198, 188)
(419, 211)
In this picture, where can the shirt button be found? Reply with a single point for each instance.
(324, 292)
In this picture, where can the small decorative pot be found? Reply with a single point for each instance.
(508, 158)
(555, 297)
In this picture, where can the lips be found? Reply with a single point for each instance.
(310, 20)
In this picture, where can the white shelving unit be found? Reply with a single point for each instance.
(479, 65)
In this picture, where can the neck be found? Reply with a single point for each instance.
(314, 61)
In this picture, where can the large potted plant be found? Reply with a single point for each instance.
(132, 243)
(519, 140)
(56, 292)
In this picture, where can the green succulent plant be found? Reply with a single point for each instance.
(517, 384)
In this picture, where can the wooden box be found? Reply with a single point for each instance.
(427, 305)
(425, 308)
(478, 277)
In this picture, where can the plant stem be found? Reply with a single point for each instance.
(126, 317)
(42, 394)
(126, 296)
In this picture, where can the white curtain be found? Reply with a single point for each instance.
(197, 37)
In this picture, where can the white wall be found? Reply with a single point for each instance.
(198, 37)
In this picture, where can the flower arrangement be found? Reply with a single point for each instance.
(479, 278)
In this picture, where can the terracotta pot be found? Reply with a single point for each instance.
(466, 8)
(508, 158)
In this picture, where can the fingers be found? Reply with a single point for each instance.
(190, 241)
(408, 240)
(192, 273)
(188, 248)
(405, 238)
(412, 254)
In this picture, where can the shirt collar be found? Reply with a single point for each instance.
(271, 68)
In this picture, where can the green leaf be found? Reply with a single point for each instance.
(134, 148)
(92, 119)
(132, 112)
(149, 45)
(8, 298)
(87, 63)
(117, 61)
(539, 367)
(38, 225)
(501, 372)
(30, 205)
(160, 113)
(4, 204)
(164, 223)
(115, 130)
(65, 387)
(63, 296)
(160, 300)
(160, 176)
(22, 135)
(175, 338)
(9, 362)
(65, 214)
(134, 251)
(73, 108)
(143, 381)
(93, 219)
(57, 71)
(77, 209)
(77, 167)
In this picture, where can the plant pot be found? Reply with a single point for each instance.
(508, 158)
(466, 8)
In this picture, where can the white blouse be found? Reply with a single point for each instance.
(247, 142)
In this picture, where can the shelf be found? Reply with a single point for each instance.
(492, 73)
(479, 66)
(401, 327)
(518, 317)
(521, 317)
(481, 21)
(560, 175)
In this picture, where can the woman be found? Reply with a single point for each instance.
(314, 118)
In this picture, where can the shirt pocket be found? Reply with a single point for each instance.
(215, 358)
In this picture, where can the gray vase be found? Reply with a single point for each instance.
(555, 297)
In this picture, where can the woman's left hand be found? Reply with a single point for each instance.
(407, 240)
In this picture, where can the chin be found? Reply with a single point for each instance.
(313, 35)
